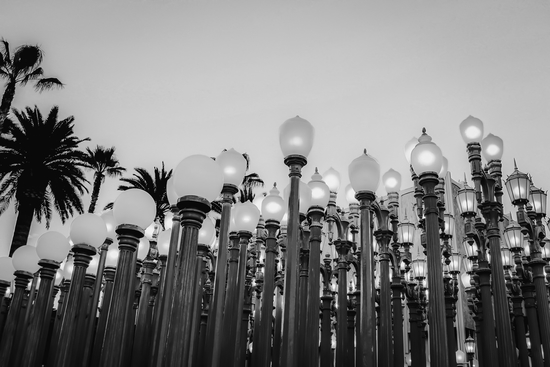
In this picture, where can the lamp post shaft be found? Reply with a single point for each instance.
(193, 211)
(215, 319)
(266, 319)
(326, 301)
(82, 257)
(289, 350)
(123, 287)
(164, 298)
(542, 306)
(488, 323)
(398, 355)
(109, 273)
(141, 339)
(519, 326)
(342, 246)
(385, 342)
(41, 315)
(533, 321)
(367, 312)
(313, 299)
(197, 302)
(237, 318)
(436, 311)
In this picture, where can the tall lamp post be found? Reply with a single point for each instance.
(488, 189)
(427, 161)
(296, 140)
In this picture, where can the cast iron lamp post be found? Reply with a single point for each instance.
(488, 190)
(416, 295)
(25, 261)
(52, 248)
(531, 204)
(133, 211)
(296, 140)
(427, 161)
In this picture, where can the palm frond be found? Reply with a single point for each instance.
(26, 58)
(7, 55)
(47, 84)
(33, 75)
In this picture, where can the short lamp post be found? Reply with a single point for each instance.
(470, 347)
(133, 211)
(52, 248)
(427, 161)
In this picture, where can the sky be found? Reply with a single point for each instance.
(162, 80)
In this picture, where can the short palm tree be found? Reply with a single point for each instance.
(41, 167)
(19, 69)
(154, 184)
(104, 163)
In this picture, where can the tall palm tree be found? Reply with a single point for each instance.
(19, 69)
(41, 167)
(154, 184)
(104, 163)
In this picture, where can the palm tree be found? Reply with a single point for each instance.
(20, 69)
(154, 184)
(104, 163)
(41, 167)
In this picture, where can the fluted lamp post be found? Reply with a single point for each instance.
(133, 211)
(531, 204)
(296, 141)
(233, 166)
(52, 248)
(426, 161)
(364, 175)
(25, 262)
(273, 210)
(198, 180)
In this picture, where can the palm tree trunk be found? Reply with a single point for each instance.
(7, 99)
(22, 226)
(98, 180)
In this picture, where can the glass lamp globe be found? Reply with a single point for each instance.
(143, 248)
(518, 186)
(6, 269)
(537, 198)
(58, 277)
(456, 262)
(53, 246)
(273, 205)
(246, 217)
(207, 233)
(25, 258)
(470, 250)
(350, 195)
(68, 268)
(470, 345)
(171, 192)
(513, 238)
(198, 175)
(332, 179)
(466, 280)
(320, 192)
(507, 258)
(526, 247)
(492, 148)
(466, 200)
(392, 181)
(110, 223)
(471, 130)
(92, 267)
(409, 146)
(88, 229)
(112, 256)
(304, 196)
(460, 357)
(233, 165)
(419, 268)
(258, 200)
(545, 250)
(135, 207)
(426, 156)
(364, 173)
(444, 168)
(449, 224)
(296, 137)
(163, 242)
(405, 231)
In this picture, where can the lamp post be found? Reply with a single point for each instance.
(488, 190)
(296, 140)
(25, 261)
(234, 166)
(522, 193)
(133, 210)
(470, 347)
(272, 211)
(426, 161)
(52, 248)
(6, 277)
(364, 175)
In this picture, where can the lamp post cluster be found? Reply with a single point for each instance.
(296, 280)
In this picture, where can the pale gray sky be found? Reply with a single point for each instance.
(162, 80)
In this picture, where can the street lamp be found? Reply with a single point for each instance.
(426, 161)
(470, 347)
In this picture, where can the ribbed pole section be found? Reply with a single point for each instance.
(313, 299)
